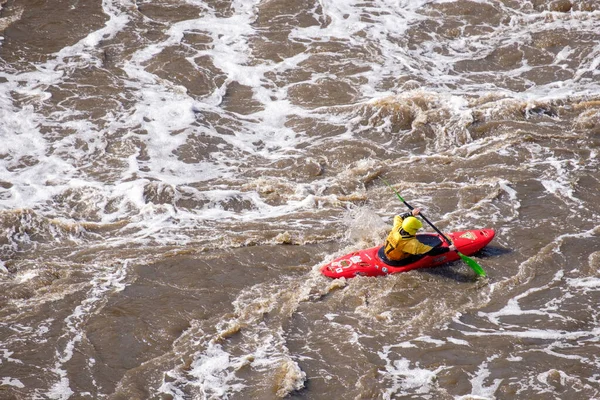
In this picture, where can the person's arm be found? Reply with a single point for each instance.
(403, 215)
(398, 221)
(416, 247)
(436, 251)
(400, 217)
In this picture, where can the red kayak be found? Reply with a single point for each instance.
(367, 262)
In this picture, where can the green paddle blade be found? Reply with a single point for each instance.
(473, 264)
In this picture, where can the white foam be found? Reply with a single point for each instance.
(61, 389)
(3, 268)
(408, 379)
(162, 108)
(505, 186)
(12, 382)
(19, 130)
(513, 308)
(545, 334)
(170, 116)
(429, 339)
(23, 277)
(6, 356)
(109, 279)
(215, 372)
(479, 389)
(263, 349)
(459, 342)
(331, 316)
(587, 283)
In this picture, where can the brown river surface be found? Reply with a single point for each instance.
(173, 173)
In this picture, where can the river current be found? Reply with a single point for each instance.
(173, 173)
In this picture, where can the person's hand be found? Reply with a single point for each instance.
(416, 211)
(452, 248)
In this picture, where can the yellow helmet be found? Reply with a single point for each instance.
(411, 225)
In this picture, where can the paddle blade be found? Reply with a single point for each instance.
(473, 264)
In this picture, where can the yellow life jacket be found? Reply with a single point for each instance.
(400, 244)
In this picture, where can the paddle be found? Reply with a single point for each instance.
(469, 261)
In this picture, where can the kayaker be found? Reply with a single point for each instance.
(402, 246)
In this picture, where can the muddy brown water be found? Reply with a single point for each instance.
(173, 174)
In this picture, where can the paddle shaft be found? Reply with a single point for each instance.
(430, 223)
(421, 214)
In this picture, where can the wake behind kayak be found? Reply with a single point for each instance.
(367, 263)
